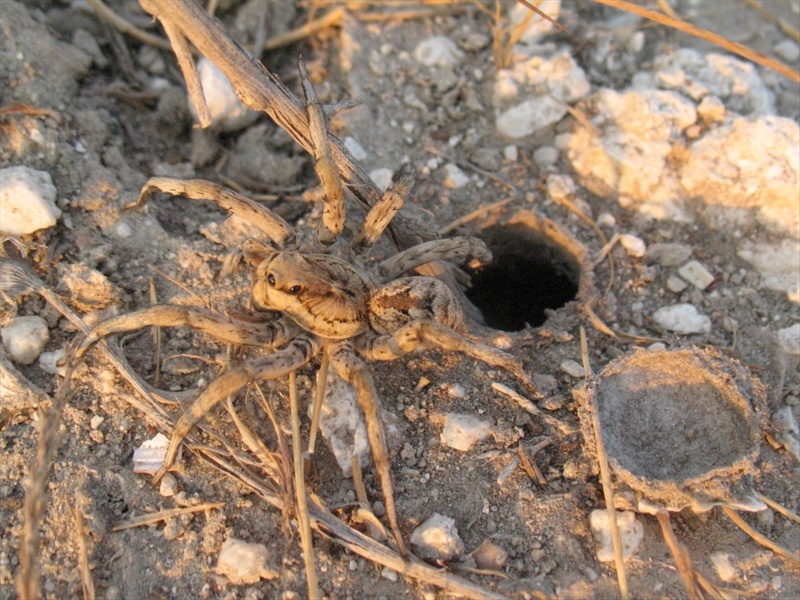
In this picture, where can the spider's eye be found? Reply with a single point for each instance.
(271, 279)
(295, 289)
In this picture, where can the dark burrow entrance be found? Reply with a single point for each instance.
(531, 274)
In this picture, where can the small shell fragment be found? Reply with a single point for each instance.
(150, 456)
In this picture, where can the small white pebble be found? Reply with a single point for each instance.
(510, 153)
(630, 529)
(787, 50)
(123, 230)
(454, 177)
(27, 201)
(389, 574)
(25, 338)
(168, 486)
(227, 111)
(696, 274)
(462, 432)
(353, 566)
(502, 342)
(96, 421)
(723, 566)
(437, 539)
(682, 318)
(546, 156)
(149, 457)
(606, 220)
(382, 178)
(244, 563)
(437, 51)
(490, 556)
(633, 245)
(676, 285)
(789, 340)
(656, 346)
(572, 368)
(455, 390)
(49, 362)
(355, 148)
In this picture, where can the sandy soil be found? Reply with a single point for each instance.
(118, 115)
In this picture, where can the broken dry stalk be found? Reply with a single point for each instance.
(681, 556)
(605, 478)
(303, 520)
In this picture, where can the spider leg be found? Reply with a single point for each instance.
(278, 230)
(353, 370)
(333, 200)
(383, 212)
(428, 333)
(301, 350)
(222, 327)
(456, 250)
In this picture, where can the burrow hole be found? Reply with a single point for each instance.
(530, 275)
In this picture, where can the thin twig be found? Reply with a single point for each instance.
(163, 515)
(789, 514)
(761, 539)
(87, 582)
(680, 555)
(303, 518)
(105, 13)
(605, 478)
(28, 583)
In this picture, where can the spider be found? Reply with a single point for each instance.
(324, 304)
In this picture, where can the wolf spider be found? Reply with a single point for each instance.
(323, 304)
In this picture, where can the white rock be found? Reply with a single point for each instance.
(454, 177)
(437, 539)
(633, 245)
(342, 424)
(722, 564)
(630, 529)
(546, 156)
(778, 263)
(244, 563)
(683, 319)
(560, 187)
(537, 26)
(25, 338)
(606, 220)
(530, 116)
(48, 362)
(382, 178)
(743, 177)
(789, 339)
(438, 51)
(572, 368)
(228, 112)
(676, 285)
(511, 153)
(489, 556)
(389, 574)
(627, 156)
(27, 201)
(355, 148)
(462, 432)
(696, 274)
(787, 50)
(96, 421)
(168, 486)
